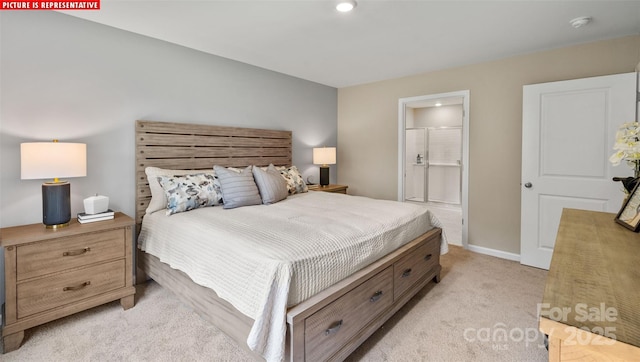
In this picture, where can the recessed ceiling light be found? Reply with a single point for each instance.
(438, 104)
(345, 6)
(581, 21)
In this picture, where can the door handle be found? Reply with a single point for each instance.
(528, 185)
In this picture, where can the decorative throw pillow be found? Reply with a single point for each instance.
(158, 197)
(189, 192)
(295, 182)
(272, 186)
(238, 188)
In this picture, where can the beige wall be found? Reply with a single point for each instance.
(445, 116)
(368, 127)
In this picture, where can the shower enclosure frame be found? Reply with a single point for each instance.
(422, 163)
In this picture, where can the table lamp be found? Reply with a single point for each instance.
(51, 160)
(324, 156)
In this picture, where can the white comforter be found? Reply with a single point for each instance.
(264, 259)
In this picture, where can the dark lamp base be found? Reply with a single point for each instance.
(324, 175)
(56, 204)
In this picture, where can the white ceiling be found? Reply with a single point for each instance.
(380, 39)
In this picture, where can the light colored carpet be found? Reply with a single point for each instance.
(463, 318)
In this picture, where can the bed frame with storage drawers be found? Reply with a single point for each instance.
(327, 326)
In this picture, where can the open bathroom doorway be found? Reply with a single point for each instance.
(433, 158)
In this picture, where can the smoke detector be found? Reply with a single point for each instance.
(581, 21)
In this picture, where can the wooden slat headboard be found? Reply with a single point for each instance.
(198, 147)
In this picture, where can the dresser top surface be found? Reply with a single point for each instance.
(594, 278)
(16, 235)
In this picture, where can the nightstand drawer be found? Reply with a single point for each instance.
(50, 274)
(65, 253)
(46, 293)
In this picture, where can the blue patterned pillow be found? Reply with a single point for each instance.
(190, 192)
(295, 182)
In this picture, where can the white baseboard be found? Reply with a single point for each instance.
(493, 252)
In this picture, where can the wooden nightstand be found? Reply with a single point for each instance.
(51, 274)
(339, 189)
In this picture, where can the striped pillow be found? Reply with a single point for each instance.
(272, 186)
(238, 188)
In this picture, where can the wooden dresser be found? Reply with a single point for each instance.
(591, 304)
(50, 274)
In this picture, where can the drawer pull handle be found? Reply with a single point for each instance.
(76, 252)
(77, 287)
(376, 296)
(334, 328)
(428, 257)
(406, 273)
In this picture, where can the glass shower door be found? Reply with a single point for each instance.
(445, 166)
(415, 164)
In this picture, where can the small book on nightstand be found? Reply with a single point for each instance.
(84, 218)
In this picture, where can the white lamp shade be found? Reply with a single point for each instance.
(49, 160)
(324, 156)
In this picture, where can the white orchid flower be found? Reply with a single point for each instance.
(627, 146)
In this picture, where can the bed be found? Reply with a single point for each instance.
(286, 311)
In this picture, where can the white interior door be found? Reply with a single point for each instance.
(568, 132)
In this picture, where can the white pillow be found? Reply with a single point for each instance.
(158, 197)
